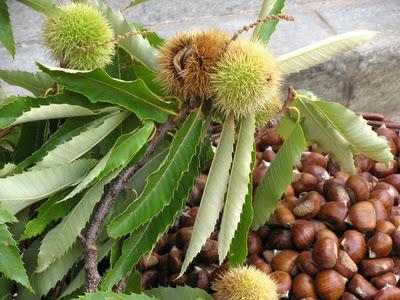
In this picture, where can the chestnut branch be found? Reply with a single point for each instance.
(112, 191)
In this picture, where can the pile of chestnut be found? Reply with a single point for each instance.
(332, 236)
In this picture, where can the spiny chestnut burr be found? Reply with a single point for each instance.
(325, 253)
(285, 260)
(317, 171)
(353, 242)
(381, 212)
(358, 188)
(280, 239)
(388, 293)
(309, 205)
(284, 283)
(303, 287)
(360, 287)
(303, 182)
(385, 279)
(379, 245)
(306, 264)
(375, 267)
(385, 227)
(329, 284)
(384, 196)
(302, 234)
(254, 243)
(362, 216)
(313, 158)
(334, 215)
(282, 216)
(345, 266)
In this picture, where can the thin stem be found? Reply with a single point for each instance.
(112, 191)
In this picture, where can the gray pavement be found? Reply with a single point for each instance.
(366, 79)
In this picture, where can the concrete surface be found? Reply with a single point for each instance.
(366, 79)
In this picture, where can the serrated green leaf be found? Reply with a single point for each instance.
(10, 262)
(356, 131)
(7, 169)
(6, 216)
(237, 186)
(58, 240)
(125, 148)
(143, 239)
(30, 139)
(322, 51)
(48, 212)
(6, 34)
(319, 130)
(265, 30)
(115, 296)
(180, 292)
(278, 177)
(37, 83)
(161, 185)
(21, 190)
(79, 279)
(98, 86)
(46, 7)
(137, 46)
(77, 146)
(135, 2)
(27, 109)
(238, 249)
(214, 192)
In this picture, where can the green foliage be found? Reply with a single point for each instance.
(37, 83)
(21, 190)
(81, 25)
(180, 292)
(6, 216)
(161, 185)
(11, 265)
(213, 194)
(98, 86)
(265, 30)
(322, 51)
(114, 296)
(238, 186)
(6, 34)
(143, 239)
(135, 2)
(43, 6)
(278, 176)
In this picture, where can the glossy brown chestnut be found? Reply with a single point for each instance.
(148, 261)
(303, 182)
(282, 216)
(280, 239)
(303, 287)
(175, 260)
(334, 215)
(388, 293)
(360, 287)
(389, 188)
(385, 279)
(263, 267)
(314, 158)
(348, 296)
(345, 266)
(209, 252)
(362, 216)
(325, 253)
(327, 233)
(385, 227)
(364, 163)
(149, 279)
(338, 193)
(377, 266)
(289, 202)
(306, 264)
(302, 234)
(309, 205)
(188, 216)
(285, 260)
(254, 243)
(284, 283)
(317, 171)
(393, 180)
(358, 188)
(353, 242)
(263, 232)
(381, 212)
(379, 245)
(384, 196)
(329, 284)
(396, 240)
(382, 170)
(183, 237)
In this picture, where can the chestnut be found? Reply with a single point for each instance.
(345, 266)
(360, 287)
(175, 260)
(353, 242)
(393, 180)
(325, 253)
(268, 154)
(334, 215)
(176, 280)
(379, 245)
(188, 216)
(285, 260)
(289, 202)
(263, 267)
(306, 264)
(303, 182)
(302, 234)
(396, 240)
(389, 188)
(389, 292)
(362, 216)
(319, 172)
(348, 296)
(382, 170)
(314, 158)
(263, 232)
(327, 233)
(303, 287)
(282, 216)
(387, 133)
(259, 173)
(149, 279)
(198, 278)
(254, 243)
(309, 205)
(381, 212)
(209, 252)
(284, 283)
(377, 266)
(183, 237)
(385, 279)
(358, 188)
(329, 284)
(364, 163)
(384, 196)
(280, 239)
(148, 261)
(385, 227)
(336, 192)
